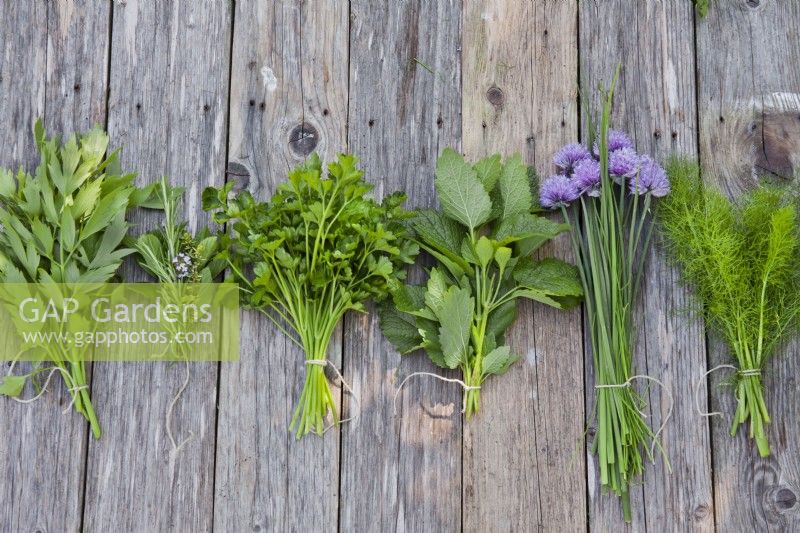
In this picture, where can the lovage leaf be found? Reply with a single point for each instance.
(461, 194)
(12, 385)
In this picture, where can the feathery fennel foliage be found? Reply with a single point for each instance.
(743, 260)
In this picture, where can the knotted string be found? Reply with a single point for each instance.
(73, 390)
(168, 420)
(437, 376)
(345, 386)
(749, 372)
(627, 383)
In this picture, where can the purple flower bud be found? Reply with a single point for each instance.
(617, 140)
(587, 177)
(557, 191)
(622, 163)
(566, 158)
(650, 179)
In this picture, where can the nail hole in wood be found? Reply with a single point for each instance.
(657, 134)
(206, 107)
(545, 33)
(721, 119)
(439, 122)
(138, 106)
(324, 112)
(563, 123)
(495, 96)
(262, 106)
(483, 124)
(530, 139)
(77, 87)
(674, 134)
(371, 123)
(252, 103)
(303, 139)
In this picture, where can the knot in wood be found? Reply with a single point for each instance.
(303, 139)
(785, 499)
(495, 96)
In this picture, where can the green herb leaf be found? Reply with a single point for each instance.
(455, 318)
(12, 385)
(461, 194)
(515, 187)
(498, 361)
(400, 329)
(488, 171)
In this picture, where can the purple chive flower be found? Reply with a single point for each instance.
(651, 179)
(587, 177)
(623, 163)
(557, 191)
(566, 158)
(617, 140)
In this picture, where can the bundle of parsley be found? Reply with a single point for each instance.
(743, 260)
(318, 248)
(65, 224)
(482, 240)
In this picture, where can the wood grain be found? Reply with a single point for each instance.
(168, 109)
(42, 460)
(749, 101)
(401, 472)
(519, 95)
(655, 104)
(288, 97)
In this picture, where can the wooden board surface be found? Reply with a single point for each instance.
(749, 104)
(517, 57)
(288, 96)
(243, 91)
(168, 105)
(655, 104)
(401, 115)
(43, 456)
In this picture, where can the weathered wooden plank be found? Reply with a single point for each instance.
(749, 100)
(401, 472)
(655, 104)
(167, 108)
(43, 455)
(520, 74)
(288, 97)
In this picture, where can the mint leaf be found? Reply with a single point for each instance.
(550, 281)
(455, 318)
(515, 187)
(528, 226)
(498, 361)
(400, 329)
(461, 194)
(438, 231)
(488, 170)
(484, 249)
